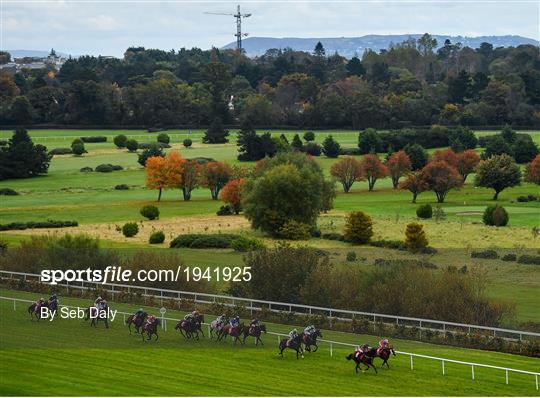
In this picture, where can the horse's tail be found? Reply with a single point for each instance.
(349, 357)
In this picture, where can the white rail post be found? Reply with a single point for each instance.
(124, 319)
(472, 371)
(536, 377)
(412, 367)
(506, 376)
(442, 363)
(278, 340)
(331, 351)
(208, 329)
(14, 305)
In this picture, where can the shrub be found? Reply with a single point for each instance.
(489, 254)
(86, 170)
(121, 187)
(187, 142)
(164, 138)
(107, 168)
(313, 149)
(358, 227)
(146, 145)
(528, 198)
(132, 145)
(333, 236)
(383, 262)
(61, 151)
(156, 237)
(150, 211)
(130, 229)
(415, 237)
(37, 224)
(390, 244)
(309, 136)
(331, 147)
(8, 192)
(211, 241)
(153, 150)
(201, 240)
(351, 257)
(94, 139)
(3, 142)
(294, 230)
(509, 257)
(120, 141)
(225, 210)
(77, 147)
(529, 259)
(424, 211)
(243, 244)
(349, 151)
(495, 215)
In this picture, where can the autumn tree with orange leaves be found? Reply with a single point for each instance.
(532, 171)
(373, 169)
(215, 176)
(448, 155)
(347, 171)
(398, 165)
(441, 178)
(232, 194)
(163, 173)
(467, 162)
(415, 183)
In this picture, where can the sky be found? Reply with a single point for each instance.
(108, 27)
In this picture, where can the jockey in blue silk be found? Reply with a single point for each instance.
(235, 322)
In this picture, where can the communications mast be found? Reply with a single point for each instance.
(238, 17)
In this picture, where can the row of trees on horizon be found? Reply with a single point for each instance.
(410, 83)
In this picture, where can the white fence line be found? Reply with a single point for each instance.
(331, 344)
(297, 309)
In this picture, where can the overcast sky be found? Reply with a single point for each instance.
(108, 27)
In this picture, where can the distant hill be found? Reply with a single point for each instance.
(33, 53)
(349, 46)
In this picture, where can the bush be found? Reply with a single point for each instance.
(415, 237)
(86, 170)
(351, 257)
(333, 236)
(211, 241)
(243, 244)
(313, 149)
(37, 224)
(358, 228)
(383, 262)
(156, 237)
(294, 230)
(61, 151)
(509, 257)
(132, 145)
(155, 129)
(121, 187)
(153, 150)
(78, 148)
(164, 138)
(349, 151)
(203, 240)
(150, 211)
(331, 147)
(130, 229)
(107, 168)
(187, 142)
(147, 145)
(489, 254)
(309, 136)
(3, 142)
(120, 141)
(225, 210)
(424, 211)
(8, 192)
(390, 244)
(529, 259)
(495, 215)
(528, 198)
(94, 139)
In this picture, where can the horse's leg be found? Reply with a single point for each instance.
(142, 334)
(157, 336)
(106, 323)
(316, 347)
(357, 366)
(200, 330)
(129, 327)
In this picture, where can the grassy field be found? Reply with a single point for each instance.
(67, 357)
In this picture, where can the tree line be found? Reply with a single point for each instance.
(410, 83)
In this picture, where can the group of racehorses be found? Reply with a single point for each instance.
(147, 326)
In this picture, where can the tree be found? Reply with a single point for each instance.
(497, 145)
(309, 136)
(441, 178)
(319, 51)
(532, 171)
(232, 194)
(369, 141)
(358, 227)
(398, 164)
(153, 150)
(355, 67)
(163, 138)
(190, 177)
(288, 187)
(217, 76)
(372, 169)
(347, 171)
(132, 145)
(447, 155)
(77, 147)
(426, 44)
(467, 162)
(120, 141)
(297, 143)
(498, 172)
(22, 158)
(524, 149)
(216, 134)
(163, 173)
(214, 177)
(21, 110)
(508, 134)
(415, 237)
(415, 183)
(252, 146)
(331, 147)
(417, 154)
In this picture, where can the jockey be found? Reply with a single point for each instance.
(235, 322)
(40, 302)
(309, 330)
(102, 304)
(293, 334)
(383, 344)
(221, 320)
(98, 301)
(138, 314)
(196, 315)
(53, 298)
(150, 320)
(254, 323)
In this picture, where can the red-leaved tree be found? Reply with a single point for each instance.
(467, 162)
(190, 177)
(215, 176)
(232, 194)
(398, 165)
(448, 155)
(163, 173)
(532, 171)
(373, 169)
(441, 178)
(415, 183)
(347, 171)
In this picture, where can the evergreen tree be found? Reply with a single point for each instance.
(297, 143)
(216, 134)
(331, 147)
(22, 159)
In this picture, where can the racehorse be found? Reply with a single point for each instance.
(191, 329)
(138, 321)
(295, 344)
(228, 330)
(150, 329)
(311, 340)
(383, 353)
(101, 315)
(254, 331)
(34, 309)
(217, 327)
(361, 358)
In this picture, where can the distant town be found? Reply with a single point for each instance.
(51, 62)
